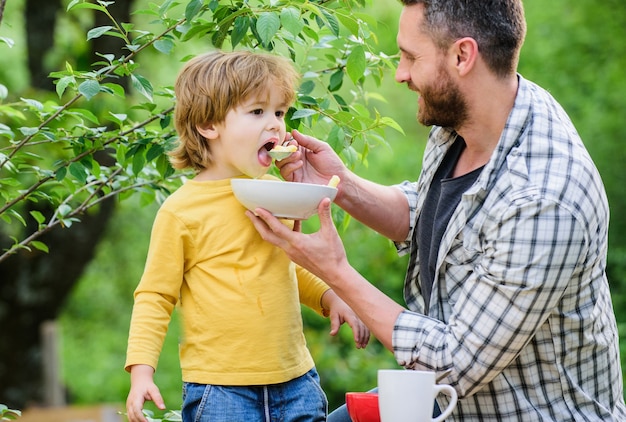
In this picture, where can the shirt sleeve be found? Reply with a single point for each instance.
(158, 291)
(409, 189)
(311, 289)
(519, 273)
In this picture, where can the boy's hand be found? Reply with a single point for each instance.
(340, 312)
(142, 388)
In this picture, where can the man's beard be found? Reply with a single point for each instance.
(444, 104)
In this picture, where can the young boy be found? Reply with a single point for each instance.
(243, 355)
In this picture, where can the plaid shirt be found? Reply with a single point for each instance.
(520, 318)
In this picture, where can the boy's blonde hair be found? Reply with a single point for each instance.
(212, 84)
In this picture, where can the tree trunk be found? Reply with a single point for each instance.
(34, 288)
(41, 17)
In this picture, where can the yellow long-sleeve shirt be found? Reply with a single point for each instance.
(239, 295)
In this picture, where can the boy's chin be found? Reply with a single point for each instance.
(257, 174)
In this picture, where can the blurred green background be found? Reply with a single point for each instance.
(575, 49)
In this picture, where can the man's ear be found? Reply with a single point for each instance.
(465, 51)
(208, 130)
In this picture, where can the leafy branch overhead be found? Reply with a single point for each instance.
(97, 139)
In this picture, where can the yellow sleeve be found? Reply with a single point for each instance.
(158, 291)
(311, 289)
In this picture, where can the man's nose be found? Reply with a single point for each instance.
(402, 73)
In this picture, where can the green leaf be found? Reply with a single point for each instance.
(17, 216)
(61, 173)
(142, 85)
(63, 83)
(118, 118)
(98, 32)
(240, 28)
(167, 5)
(154, 151)
(267, 26)
(303, 112)
(173, 416)
(331, 22)
(89, 88)
(192, 9)
(39, 217)
(341, 101)
(114, 89)
(78, 171)
(40, 246)
(350, 23)
(7, 41)
(64, 210)
(164, 167)
(198, 30)
(77, 4)
(311, 33)
(336, 80)
(11, 414)
(388, 121)
(306, 87)
(6, 131)
(95, 168)
(308, 100)
(139, 161)
(165, 121)
(87, 114)
(33, 103)
(164, 45)
(290, 19)
(336, 138)
(350, 155)
(120, 155)
(28, 131)
(356, 64)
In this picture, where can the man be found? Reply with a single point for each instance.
(507, 224)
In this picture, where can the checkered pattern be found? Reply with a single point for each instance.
(520, 320)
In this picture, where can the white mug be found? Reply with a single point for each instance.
(409, 396)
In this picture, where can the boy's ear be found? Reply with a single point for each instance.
(208, 130)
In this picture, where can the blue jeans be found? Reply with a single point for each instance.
(341, 413)
(299, 400)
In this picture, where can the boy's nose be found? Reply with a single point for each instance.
(274, 122)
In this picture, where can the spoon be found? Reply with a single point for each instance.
(280, 152)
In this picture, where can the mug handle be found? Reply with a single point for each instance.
(449, 391)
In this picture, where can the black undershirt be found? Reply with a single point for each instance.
(441, 200)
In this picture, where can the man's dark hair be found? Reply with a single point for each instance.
(498, 26)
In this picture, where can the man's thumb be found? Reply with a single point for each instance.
(323, 210)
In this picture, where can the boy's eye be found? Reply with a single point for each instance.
(257, 111)
(280, 113)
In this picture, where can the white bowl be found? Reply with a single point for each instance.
(292, 200)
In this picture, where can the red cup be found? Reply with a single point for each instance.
(363, 407)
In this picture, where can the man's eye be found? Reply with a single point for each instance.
(407, 57)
